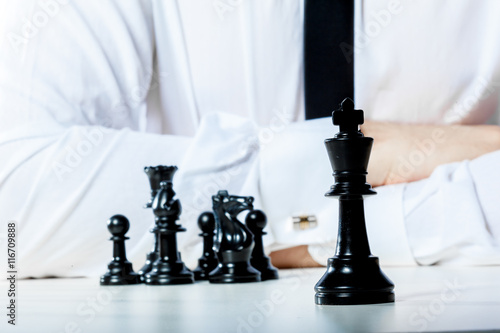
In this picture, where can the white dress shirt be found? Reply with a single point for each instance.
(92, 91)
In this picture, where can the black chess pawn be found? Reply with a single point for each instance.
(120, 271)
(353, 275)
(156, 174)
(208, 261)
(256, 221)
(168, 268)
(233, 241)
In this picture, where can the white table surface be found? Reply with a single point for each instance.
(427, 299)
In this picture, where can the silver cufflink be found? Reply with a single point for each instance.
(304, 222)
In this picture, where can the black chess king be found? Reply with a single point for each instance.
(353, 275)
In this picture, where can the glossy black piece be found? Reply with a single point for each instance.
(256, 221)
(156, 174)
(120, 271)
(353, 275)
(208, 261)
(233, 241)
(168, 268)
(151, 257)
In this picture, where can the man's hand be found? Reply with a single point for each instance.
(294, 257)
(405, 153)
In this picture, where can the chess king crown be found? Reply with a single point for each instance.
(349, 152)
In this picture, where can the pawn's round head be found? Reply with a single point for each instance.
(118, 225)
(206, 222)
(256, 219)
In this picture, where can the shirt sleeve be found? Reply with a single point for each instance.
(453, 217)
(74, 84)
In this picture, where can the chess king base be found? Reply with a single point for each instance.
(350, 281)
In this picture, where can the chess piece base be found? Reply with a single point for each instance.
(167, 273)
(151, 257)
(204, 268)
(200, 275)
(351, 281)
(120, 274)
(236, 272)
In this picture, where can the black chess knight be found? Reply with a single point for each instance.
(168, 268)
(353, 275)
(156, 174)
(233, 241)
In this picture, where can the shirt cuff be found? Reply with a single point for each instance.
(385, 227)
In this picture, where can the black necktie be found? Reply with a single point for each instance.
(328, 55)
